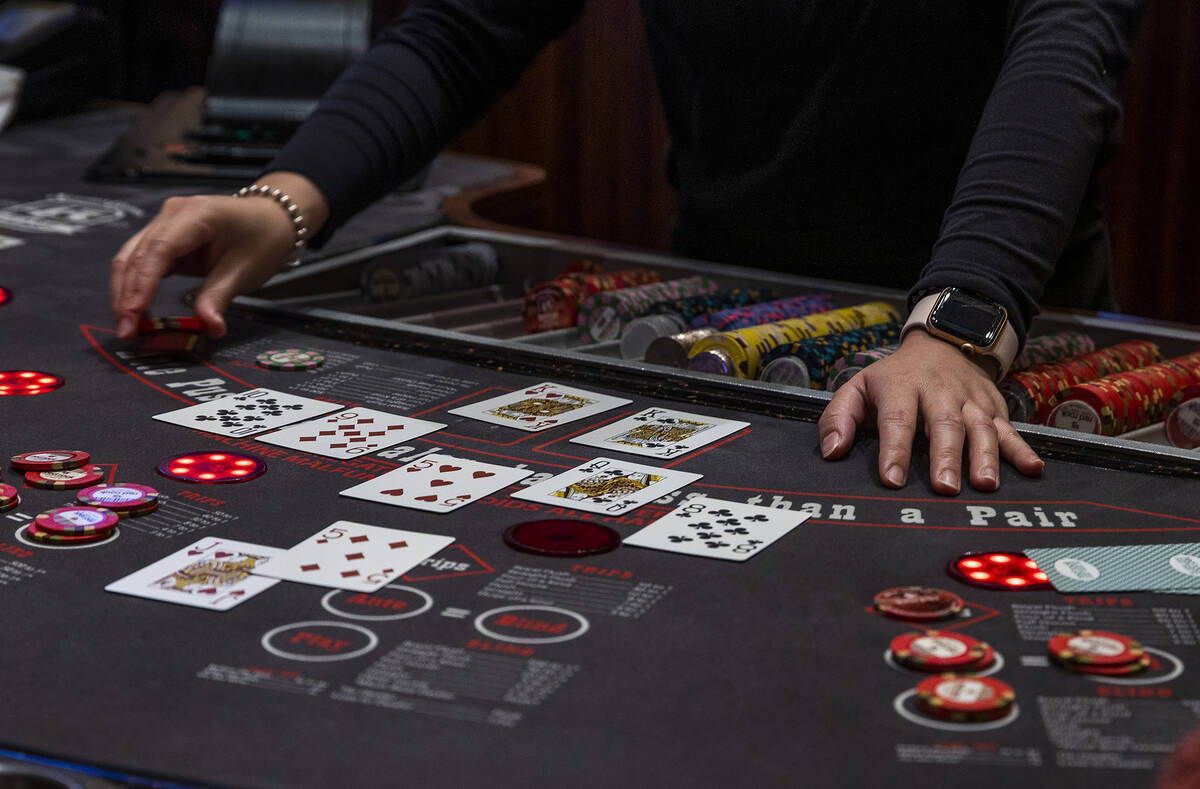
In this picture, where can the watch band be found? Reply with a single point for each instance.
(997, 357)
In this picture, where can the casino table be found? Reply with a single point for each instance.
(484, 664)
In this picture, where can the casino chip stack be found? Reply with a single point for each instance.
(289, 359)
(1099, 653)
(172, 334)
(920, 603)
(1047, 348)
(127, 500)
(810, 363)
(1182, 421)
(603, 316)
(9, 497)
(65, 526)
(940, 651)
(50, 460)
(66, 479)
(965, 699)
(1124, 401)
(555, 304)
(849, 366)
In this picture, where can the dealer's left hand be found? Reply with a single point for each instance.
(930, 384)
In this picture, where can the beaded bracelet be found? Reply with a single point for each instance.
(299, 227)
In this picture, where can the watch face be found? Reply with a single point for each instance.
(968, 318)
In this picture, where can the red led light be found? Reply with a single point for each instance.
(212, 468)
(998, 570)
(27, 382)
(5, 296)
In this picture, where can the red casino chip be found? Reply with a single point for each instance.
(212, 468)
(934, 650)
(1095, 648)
(118, 497)
(1182, 422)
(918, 602)
(28, 382)
(66, 479)
(966, 694)
(561, 537)
(1135, 667)
(9, 497)
(188, 323)
(998, 570)
(53, 538)
(72, 521)
(50, 460)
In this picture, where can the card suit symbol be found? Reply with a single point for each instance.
(353, 557)
(437, 483)
(722, 513)
(757, 518)
(427, 498)
(715, 544)
(193, 552)
(700, 525)
(221, 554)
(728, 522)
(482, 474)
(393, 492)
(413, 468)
(349, 573)
(447, 469)
(679, 538)
(209, 590)
(394, 545)
(359, 538)
(738, 530)
(310, 567)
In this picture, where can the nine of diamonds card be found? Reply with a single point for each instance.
(540, 407)
(607, 486)
(718, 529)
(350, 433)
(661, 433)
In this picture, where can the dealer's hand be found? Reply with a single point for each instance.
(235, 243)
(931, 384)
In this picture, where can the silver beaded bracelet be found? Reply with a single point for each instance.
(299, 227)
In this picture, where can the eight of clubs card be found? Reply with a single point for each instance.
(607, 486)
(661, 433)
(355, 556)
(247, 413)
(540, 407)
(438, 483)
(348, 434)
(213, 573)
(718, 529)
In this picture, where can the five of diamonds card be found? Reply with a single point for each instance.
(540, 407)
(607, 486)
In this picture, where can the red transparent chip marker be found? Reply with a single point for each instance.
(212, 468)
(27, 382)
(998, 570)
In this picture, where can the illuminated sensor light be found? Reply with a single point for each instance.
(27, 382)
(998, 570)
(999, 558)
(980, 575)
(1015, 581)
(212, 468)
(971, 563)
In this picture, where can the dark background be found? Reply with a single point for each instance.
(588, 113)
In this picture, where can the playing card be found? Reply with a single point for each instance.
(247, 413)
(348, 434)
(355, 556)
(660, 432)
(540, 407)
(213, 573)
(1120, 568)
(437, 483)
(718, 529)
(607, 486)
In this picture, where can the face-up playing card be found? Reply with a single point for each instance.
(248, 413)
(1120, 568)
(355, 556)
(212, 573)
(437, 483)
(540, 407)
(348, 434)
(660, 433)
(718, 529)
(607, 486)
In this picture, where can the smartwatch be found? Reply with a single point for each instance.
(977, 325)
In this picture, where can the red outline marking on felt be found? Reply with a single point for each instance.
(487, 568)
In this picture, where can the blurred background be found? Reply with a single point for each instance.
(588, 113)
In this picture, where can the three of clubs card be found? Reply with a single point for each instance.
(718, 529)
(355, 556)
(213, 573)
(540, 407)
(607, 486)
(660, 433)
(350, 433)
(247, 413)
(437, 483)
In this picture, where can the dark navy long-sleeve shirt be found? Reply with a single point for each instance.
(912, 144)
